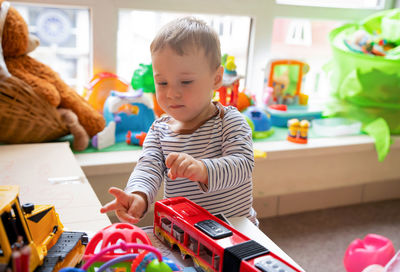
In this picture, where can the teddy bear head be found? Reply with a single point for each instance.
(15, 38)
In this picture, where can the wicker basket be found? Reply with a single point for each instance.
(25, 117)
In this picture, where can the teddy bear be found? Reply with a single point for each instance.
(16, 43)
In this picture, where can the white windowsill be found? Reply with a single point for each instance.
(123, 161)
(326, 172)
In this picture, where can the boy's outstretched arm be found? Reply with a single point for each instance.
(128, 207)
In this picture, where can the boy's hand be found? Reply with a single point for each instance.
(128, 207)
(182, 165)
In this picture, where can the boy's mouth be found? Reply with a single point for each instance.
(176, 106)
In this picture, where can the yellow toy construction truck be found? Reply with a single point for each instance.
(38, 229)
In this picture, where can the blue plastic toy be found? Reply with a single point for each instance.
(280, 116)
(259, 121)
(126, 113)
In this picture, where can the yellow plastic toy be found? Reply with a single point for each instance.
(298, 131)
(28, 233)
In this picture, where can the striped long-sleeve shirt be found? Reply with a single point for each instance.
(223, 143)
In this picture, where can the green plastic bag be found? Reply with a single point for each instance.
(367, 87)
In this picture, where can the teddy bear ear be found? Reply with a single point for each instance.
(15, 36)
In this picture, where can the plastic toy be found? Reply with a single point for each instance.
(126, 114)
(244, 101)
(99, 88)
(259, 154)
(371, 44)
(285, 78)
(210, 242)
(228, 93)
(32, 236)
(298, 131)
(281, 114)
(259, 122)
(135, 139)
(142, 79)
(117, 245)
(283, 96)
(373, 249)
(394, 264)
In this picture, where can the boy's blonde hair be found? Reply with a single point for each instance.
(189, 33)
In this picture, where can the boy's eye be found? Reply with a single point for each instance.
(162, 83)
(186, 82)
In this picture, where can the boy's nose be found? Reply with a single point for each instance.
(174, 92)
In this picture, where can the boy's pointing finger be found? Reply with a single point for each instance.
(118, 193)
(110, 206)
(169, 161)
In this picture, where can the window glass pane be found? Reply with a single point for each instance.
(136, 30)
(305, 40)
(362, 4)
(64, 40)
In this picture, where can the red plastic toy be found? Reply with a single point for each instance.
(211, 243)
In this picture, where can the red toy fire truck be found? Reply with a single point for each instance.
(211, 243)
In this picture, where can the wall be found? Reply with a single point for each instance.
(293, 178)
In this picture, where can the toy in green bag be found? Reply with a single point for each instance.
(367, 85)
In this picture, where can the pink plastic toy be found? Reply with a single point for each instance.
(112, 235)
(374, 249)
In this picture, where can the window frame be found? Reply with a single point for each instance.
(103, 44)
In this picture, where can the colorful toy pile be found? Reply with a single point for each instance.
(118, 248)
(379, 36)
(128, 113)
(366, 86)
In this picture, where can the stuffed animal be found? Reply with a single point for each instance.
(16, 43)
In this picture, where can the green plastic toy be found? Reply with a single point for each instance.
(156, 266)
(367, 87)
(143, 78)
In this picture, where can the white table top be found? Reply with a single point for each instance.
(49, 174)
(245, 226)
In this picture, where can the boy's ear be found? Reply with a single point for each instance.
(218, 77)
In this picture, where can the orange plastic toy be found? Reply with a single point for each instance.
(100, 86)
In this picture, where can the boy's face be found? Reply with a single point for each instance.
(185, 84)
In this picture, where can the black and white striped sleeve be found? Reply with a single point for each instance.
(149, 171)
(237, 162)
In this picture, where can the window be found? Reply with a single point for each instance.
(363, 4)
(216, 262)
(136, 30)
(166, 224)
(121, 32)
(193, 244)
(64, 40)
(206, 254)
(305, 40)
(178, 233)
(15, 231)
(300, 30)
